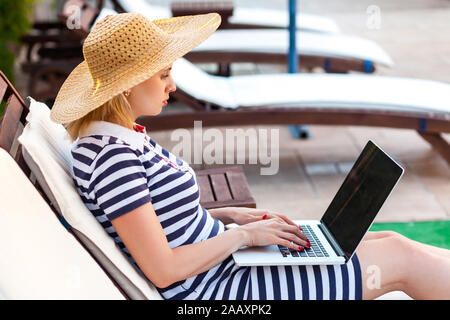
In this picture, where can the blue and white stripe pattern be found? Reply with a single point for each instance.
(116, 170)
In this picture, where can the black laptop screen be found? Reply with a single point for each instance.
(360, 197)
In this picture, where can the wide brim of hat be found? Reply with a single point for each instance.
(78, 95)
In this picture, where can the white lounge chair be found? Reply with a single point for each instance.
(256, 44)
(245, 17)
(333, 52)
(40, 259)
(327, 99)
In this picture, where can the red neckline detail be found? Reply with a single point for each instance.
(139, 128)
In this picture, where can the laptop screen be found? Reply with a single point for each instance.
(363, 192)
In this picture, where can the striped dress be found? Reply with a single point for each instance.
(116, 170)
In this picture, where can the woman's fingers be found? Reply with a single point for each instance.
(294, 239)
(295, 231)
(287, 220)
(280, 217)
(289, 244)
(277, 229)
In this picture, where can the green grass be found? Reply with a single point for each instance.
(435, 233)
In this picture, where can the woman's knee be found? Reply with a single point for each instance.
(408, 255)
(391, 253)
(374, 235)
(403, 243)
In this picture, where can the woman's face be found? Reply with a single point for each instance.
(149, 97)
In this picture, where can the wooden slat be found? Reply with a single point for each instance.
(238, 185)
(10, 122)
(206, 193)
(3, 87)
(220, 186)
(3, 78)
(231, 177)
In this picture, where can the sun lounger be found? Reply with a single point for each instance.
(333, 52)
(327, 99)
(46, 150)
(240, 18)
(41, 150)
(40, 259)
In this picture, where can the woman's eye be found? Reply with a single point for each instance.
(164, 76)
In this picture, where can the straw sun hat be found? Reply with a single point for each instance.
(122, 51)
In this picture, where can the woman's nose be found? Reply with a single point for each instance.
(172, 86)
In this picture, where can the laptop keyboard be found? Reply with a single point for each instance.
(316, 250)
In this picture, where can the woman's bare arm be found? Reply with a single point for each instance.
(143, 235)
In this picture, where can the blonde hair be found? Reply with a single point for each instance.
(116, 110)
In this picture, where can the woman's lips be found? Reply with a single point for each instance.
(165, 103)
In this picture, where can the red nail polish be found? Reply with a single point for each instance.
(300, 228)
(264, 217)
(300, 248)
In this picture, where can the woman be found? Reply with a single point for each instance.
(148, 200)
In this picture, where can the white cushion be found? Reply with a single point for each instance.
(40, 259)
(344, 91)
(341, 91)
(152, 12)
(280, 19)
(46, 148)
(276, 41)
(249, 16)
(201, 85)
(356, 91)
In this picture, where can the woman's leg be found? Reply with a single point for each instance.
(393, 262)
(374, 235)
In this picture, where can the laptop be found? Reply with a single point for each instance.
(336, 236)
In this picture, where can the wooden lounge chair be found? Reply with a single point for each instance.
(333, 52)
(331, 99)
(232, 17)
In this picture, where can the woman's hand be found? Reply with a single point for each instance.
(242, 215)
(264, 227)
(274, 231)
